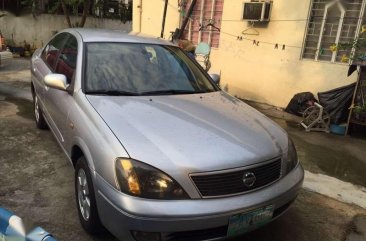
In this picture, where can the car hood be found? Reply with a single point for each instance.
(195, 132)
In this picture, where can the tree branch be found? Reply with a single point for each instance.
(85, 13)
(66, 13)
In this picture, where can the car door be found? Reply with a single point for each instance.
(59, 102)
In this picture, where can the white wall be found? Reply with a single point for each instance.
(269, 75)
(38, 30)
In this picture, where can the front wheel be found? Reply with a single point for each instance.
(38, 114)
(85, 198)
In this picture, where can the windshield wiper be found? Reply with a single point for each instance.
(173, 92)
(111, 92)
(156, 92)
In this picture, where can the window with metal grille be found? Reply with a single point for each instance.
(204, 12)
(332, 22)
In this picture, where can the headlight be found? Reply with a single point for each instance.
(292, 159)
(139, 179)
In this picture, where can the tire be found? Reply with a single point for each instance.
(85, 198)
(38, 114)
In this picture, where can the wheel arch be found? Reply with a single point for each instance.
(80, 149)
(76, 153)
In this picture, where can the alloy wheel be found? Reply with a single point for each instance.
(83, 195)
(36, 108)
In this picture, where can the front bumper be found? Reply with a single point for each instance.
(122, 213)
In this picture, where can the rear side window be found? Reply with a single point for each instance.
(52, 50)
(66, 63)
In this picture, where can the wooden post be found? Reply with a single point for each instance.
(353, 101)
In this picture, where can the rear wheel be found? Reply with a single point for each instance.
(85, 198)
(38, 114)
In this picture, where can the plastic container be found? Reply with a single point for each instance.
(338, 129)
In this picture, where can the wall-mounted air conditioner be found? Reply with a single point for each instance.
(257, 11)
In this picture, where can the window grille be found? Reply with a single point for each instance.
(204, 12)
(332, 22)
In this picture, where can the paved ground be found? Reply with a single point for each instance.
(36, 181)
(15, 78)
(337, 156)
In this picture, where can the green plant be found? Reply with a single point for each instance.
(359, 108)
(354, 50)
(54, 7)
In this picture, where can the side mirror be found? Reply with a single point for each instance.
(215, 78)
(56, 81)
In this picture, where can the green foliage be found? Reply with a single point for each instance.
(121, 11)
(98, 8)
(54, 7)
(359, 108)
(19, 7)
(28, 3)
(355, 50)
(74, 4)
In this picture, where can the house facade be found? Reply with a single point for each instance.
(268, 61)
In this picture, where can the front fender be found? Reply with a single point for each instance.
(87, 154)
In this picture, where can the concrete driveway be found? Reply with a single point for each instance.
(36, 182)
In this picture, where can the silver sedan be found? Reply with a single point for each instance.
(160, 152)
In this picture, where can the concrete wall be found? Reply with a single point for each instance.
(38, 30)
(259, 73)
(152, 15)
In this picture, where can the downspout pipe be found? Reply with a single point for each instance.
(140, 16)
(164, 17)
(186, 19)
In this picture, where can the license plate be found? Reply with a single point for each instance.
(241, 223)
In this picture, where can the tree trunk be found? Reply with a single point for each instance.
(66, 13)
(85, 13)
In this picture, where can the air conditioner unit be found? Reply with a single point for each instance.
(258, 11)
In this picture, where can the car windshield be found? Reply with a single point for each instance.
(142, 69)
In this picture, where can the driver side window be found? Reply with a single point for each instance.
(52, 50)
(66, 63)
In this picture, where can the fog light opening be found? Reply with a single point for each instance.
(146, 236)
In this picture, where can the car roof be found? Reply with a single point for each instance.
(106, 35)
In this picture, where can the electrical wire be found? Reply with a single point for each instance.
(259, 41)
(272, 20)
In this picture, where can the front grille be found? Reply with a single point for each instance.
(197, 235)
(231, 182)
